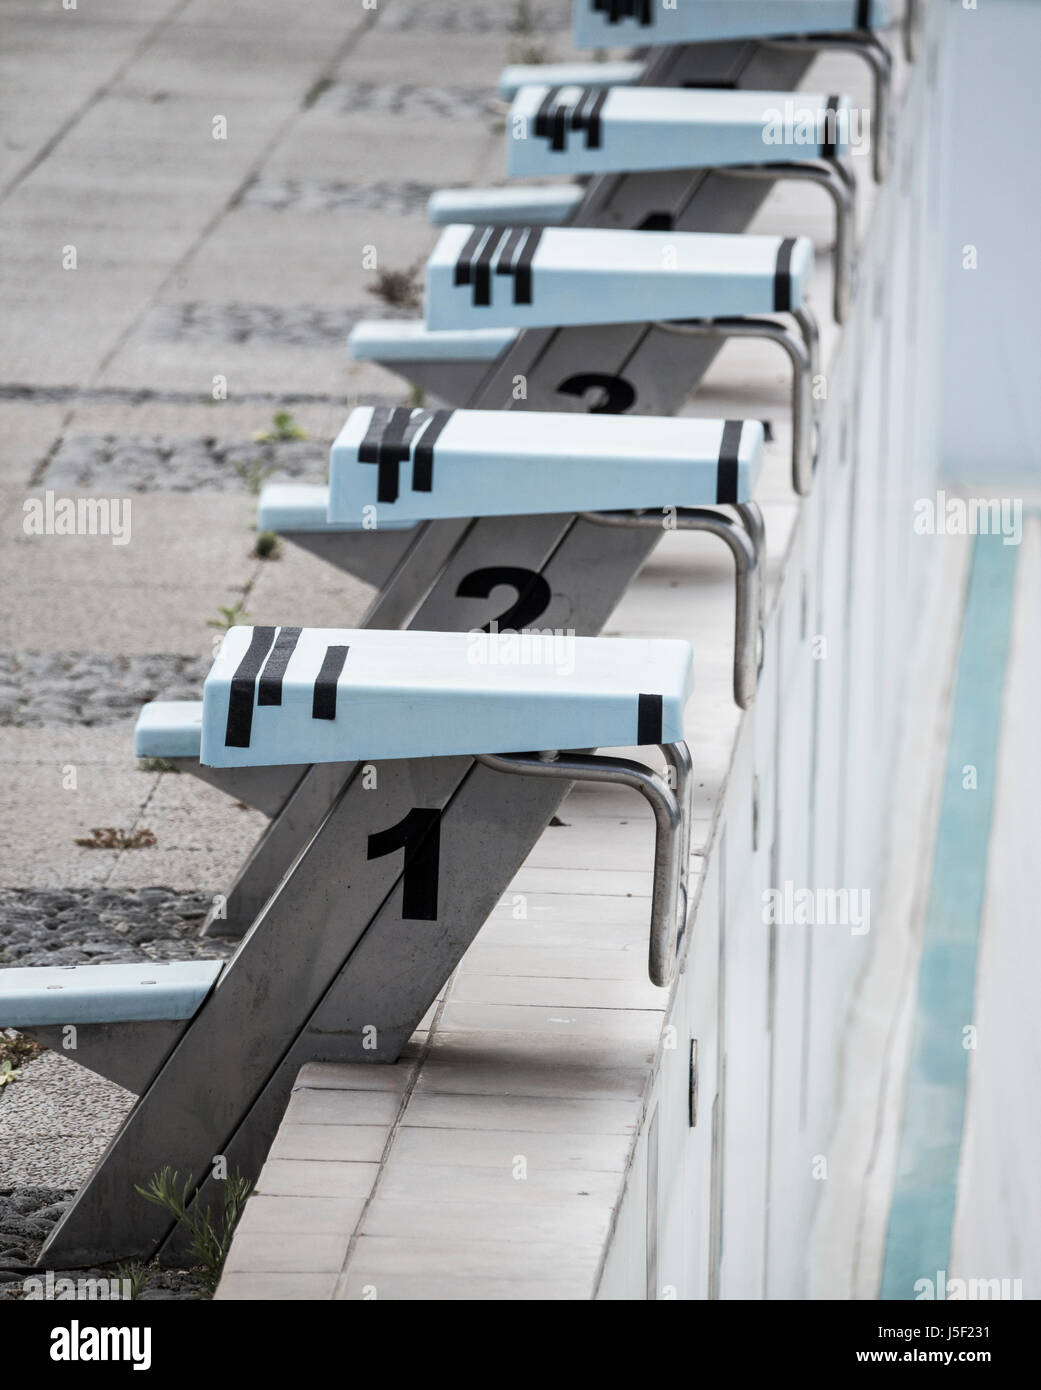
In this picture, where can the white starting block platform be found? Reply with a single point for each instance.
(416, 465)
(529, 277)
(310, 695)
(598, 130)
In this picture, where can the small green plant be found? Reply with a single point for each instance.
(108, 837)
(399, 288)
(229, 617)
(283, 427)
(137, 1275)
(254, 474)
(156, 765)
(267, 547)
(416, 398)
(208, 1235)
(16, 1049)
(7, 1073)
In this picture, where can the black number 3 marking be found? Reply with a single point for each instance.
(533, 595)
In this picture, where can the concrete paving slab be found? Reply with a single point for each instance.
(315, 1178)
(264, 1252)
(358, 1143)
(356, 1076)
(42, 829)
(283, 1285)
(309, 1215)
(421, 1220)
(322, 1106)
(513, 1186)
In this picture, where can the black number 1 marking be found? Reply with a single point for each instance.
(419, 835)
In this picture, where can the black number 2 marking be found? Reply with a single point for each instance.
(619, 394)
(419, 835)
(533, 594)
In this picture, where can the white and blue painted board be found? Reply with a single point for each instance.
(532, 277)
(168, 729)
(615, 23)
(591, 130)
(408, 466)
(544, 205)
(289, 507)
(407, 340)
(291, 695)
(142, 992)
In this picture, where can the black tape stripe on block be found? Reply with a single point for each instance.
(423, 458)
(482, 276)
(592, 121)
(783, 275)
(830, 143)
(504, 265)
(617, 10)
(648, 719)
(580, 110)
(392, 453)
(243, 687)
(323, 705)
(269, 691)
(522, 277)
(466, 255)
(862, 14)
(727, 468)
(369, 448)
(561, 120)
(542, 115)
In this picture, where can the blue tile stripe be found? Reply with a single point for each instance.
(925, 1188)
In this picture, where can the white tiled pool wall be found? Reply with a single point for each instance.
(735, 1194)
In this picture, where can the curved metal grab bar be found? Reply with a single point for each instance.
(834, 179)
(804, 450)
(874, 52)
(745, 542)
(672, 817)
